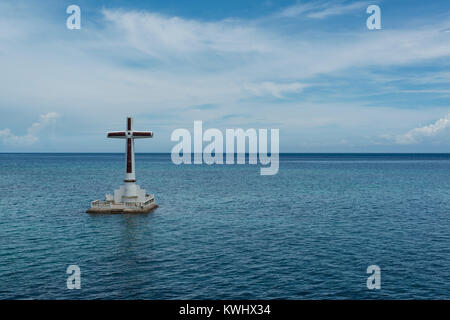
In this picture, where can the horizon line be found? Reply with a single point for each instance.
(280, 153)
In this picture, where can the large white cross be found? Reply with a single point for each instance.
(130, 135)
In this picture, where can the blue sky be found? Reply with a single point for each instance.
(309, 68)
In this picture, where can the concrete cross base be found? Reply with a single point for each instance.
(145, 209)
(127, 207)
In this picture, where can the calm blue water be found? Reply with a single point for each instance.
(225, 232)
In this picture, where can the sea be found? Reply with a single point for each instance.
(225, 231)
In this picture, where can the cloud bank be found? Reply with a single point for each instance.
(417, 134)
(320, 82)
(33, 132)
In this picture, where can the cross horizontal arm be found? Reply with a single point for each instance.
(117, 135)
(142, 134)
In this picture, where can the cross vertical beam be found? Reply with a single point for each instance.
(129, 160)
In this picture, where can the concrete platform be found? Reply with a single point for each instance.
(117, 208)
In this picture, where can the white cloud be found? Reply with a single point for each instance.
(426, 91)
(417, 134)
(320, 10)
(338, 9)
(32, 135)
(299, 9)
(277, 90)
(157, 35)
(252, 51)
